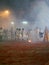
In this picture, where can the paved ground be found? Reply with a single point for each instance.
(24, 53)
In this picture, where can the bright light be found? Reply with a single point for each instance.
(6, 12)
(29, 41)
(25, 22)
(12, 23)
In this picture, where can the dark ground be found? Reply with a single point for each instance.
(24, 53)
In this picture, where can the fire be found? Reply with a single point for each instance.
(29, 41)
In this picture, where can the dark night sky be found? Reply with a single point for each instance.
(21, 8)
(16, 5)
(29, 10)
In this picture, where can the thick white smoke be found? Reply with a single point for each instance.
(41, 11)
(42, 17)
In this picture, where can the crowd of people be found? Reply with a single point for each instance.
(21, 34)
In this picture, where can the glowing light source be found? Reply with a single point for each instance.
(29, 41)
(12, 23)
(25, 22)
(6, 12)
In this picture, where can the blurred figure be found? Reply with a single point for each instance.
(22, 33)
(1, 34)
(46, 34)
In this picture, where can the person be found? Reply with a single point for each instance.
(46, 34)
(1, 31)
